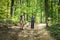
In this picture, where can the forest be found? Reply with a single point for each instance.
(46, 12)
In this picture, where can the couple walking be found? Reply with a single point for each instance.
(22, 22)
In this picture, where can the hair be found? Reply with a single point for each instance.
(33, 14)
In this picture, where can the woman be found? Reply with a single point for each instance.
(22, 21)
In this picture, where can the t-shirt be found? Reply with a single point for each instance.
(33, 19)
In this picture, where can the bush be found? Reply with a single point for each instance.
(55, 31)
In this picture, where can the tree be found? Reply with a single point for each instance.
(46, 12)
(27, 6)
(12, 8)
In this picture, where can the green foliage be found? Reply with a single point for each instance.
(28, 7)
(55, 31)
(15, 19)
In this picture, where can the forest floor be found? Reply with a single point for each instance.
(38, 33)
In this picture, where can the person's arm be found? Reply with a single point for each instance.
(29, 18)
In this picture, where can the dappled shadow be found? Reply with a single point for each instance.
(14, 33)
(54, 31)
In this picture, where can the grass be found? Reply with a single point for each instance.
(55, 31)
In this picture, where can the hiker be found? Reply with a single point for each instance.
(32, 21)
(22, 21)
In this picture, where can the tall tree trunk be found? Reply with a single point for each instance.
(40, 1)
(12, 8)
(58, 15)
(41, 15)
(59, 2)
(27, 10)
(27, 16)
(59, 12)
(52, 11)
(46, 11)
(7, 8)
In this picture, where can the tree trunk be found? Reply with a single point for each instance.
(12, 8)
(46, 11)
(27, 16)
(40, 10)
(59, 2)
(58, 15)
(27, 10)
(41, 16)
(7, 8)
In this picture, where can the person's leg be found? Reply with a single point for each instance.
(21, 25)
(31, 24)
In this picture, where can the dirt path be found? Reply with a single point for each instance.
(38, 33)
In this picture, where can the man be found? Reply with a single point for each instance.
(32, 21)
(22, 21)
